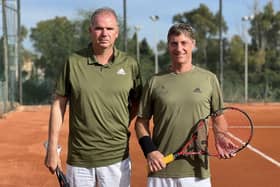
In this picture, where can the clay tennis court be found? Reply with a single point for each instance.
(23, 131)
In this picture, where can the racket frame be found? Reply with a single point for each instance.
(61, 178)
(173, 156)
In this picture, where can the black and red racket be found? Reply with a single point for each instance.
(201, 141)
(61, 178)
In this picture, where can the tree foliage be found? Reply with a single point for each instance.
(56, 38)
(265, 55)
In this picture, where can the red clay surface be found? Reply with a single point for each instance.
(23, 132)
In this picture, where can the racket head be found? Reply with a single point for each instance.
(61, 178)
(196, 142)
(201, 140)
(239, 130)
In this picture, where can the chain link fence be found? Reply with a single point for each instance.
(9, 66)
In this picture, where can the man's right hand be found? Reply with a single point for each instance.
(52, 160)
(155, 161)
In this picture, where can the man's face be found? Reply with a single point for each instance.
(180, 48)
(104, 31)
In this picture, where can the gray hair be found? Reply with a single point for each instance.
(181, 28)
(104, 10)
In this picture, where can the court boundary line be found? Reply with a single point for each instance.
(266, 127)
(260, 153)
(256, 127)
(265, 156)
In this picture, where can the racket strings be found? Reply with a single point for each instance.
(234, 135)
(222, 134)
(202, 137)
(189, 148)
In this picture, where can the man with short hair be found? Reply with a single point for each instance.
(103, 86)
(176, 99)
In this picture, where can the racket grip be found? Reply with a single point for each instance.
(169, 158)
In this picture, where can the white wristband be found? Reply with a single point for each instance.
(58, 147)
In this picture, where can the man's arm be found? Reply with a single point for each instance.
(133, 109)
(154, 157)
(58, 108)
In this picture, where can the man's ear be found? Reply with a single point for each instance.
(118, 33)
(194, 43)
(194, 46)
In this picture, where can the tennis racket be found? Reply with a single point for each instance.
(232, 135)
(59, 174)
(61, 178)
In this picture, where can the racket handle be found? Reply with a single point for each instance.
(169, 158)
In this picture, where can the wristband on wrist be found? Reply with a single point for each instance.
(147, 145)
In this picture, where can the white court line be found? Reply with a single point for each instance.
(275, 162)
(255, 127)
(266, 127)
(264, 155)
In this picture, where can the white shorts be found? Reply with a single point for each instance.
(117, 175)
(178, 182)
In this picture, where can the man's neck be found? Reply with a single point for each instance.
(104, 56)
(181, 68)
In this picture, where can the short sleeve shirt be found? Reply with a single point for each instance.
(176, 102)
(99, 97)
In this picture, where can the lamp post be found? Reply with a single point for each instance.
(246, 18)
(221, 45)
(154, 19)
(137, 29)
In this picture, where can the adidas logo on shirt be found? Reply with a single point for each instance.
(121, 72)
(197, 90)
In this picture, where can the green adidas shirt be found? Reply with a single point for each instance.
(177, 102)
(99, 97)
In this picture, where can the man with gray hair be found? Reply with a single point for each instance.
(103, 87)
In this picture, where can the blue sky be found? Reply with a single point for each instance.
(138, 12)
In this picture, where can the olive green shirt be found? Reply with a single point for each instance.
(100, 97)
(177, 102)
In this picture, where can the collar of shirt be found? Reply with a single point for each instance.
(92, 60)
